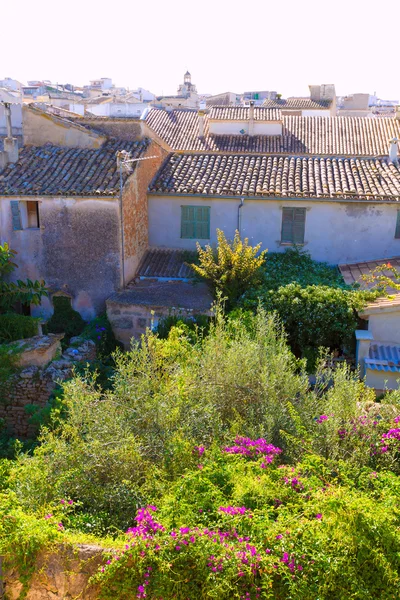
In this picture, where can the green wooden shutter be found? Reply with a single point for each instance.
(299, 222)
(397, 232)
(187, 222)
(293, 225)
(195, 222)
(203, 222)
(287, 225)
(16, 216)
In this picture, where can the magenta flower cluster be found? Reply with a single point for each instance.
(146, 525)
(392, 434)
(322, 418)
(233, 510)
(254, 448)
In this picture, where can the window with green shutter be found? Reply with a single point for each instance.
(397, 232)
(195, 222)
(16, 215)
(293, 225)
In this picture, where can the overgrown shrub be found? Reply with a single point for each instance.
(232, 267)
(314, 304)
(17, 327)
(164, 326)
(315, 315)
(65, 319)
(99, 330)
(27, 292)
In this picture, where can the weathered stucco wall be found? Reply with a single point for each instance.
(41, 128)
(60, 574)
(76, 249)
(335, 232)
(384, 324)
(135, 208)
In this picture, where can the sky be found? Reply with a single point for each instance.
(227, 45)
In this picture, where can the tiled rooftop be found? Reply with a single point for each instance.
(173, 294)
(297, 104)
(53, 171)
(326, 136)
(383, 358)
(352, 273)
(165, 263)
(311, 177)
(241, 113)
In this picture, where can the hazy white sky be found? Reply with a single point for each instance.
(227, 45)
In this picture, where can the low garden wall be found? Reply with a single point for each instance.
(61, 573)
(42, 366)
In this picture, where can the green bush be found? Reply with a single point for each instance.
(231, 268)
(65, 319)
(17, 327)
(164, 326)
(316, 315)
(312, 301)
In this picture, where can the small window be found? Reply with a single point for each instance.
(397, 232)
(32, 214)
(293, 225)
(25, 214)
(195, 222)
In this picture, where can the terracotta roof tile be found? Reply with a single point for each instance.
(291, 176)
(241, 113)
(337, 136)
(297, 104)
(159, 262)
(53, 171)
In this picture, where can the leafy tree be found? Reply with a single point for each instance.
(232, 267)
(26, 292)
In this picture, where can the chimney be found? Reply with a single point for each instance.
(201, 123)
(10, 144)
(393, 151)
(251, 118)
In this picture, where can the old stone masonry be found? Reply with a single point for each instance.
(42, 365)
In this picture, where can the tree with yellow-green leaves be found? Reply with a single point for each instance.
(232, 267)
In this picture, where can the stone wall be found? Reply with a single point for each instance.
(34, 385)
(122, 129)
(60, 574)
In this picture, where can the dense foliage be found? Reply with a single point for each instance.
(314, 304)
(65, 319)
(26, 292)
(229, 475)
(17, 327)
(232, 267)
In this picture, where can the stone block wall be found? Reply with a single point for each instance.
(59, 574)
(34, 385)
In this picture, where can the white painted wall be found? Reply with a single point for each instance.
(316, 113)
(384, 324)
(235, 127)
(16, 119)
(335, 232)
(114, 109)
